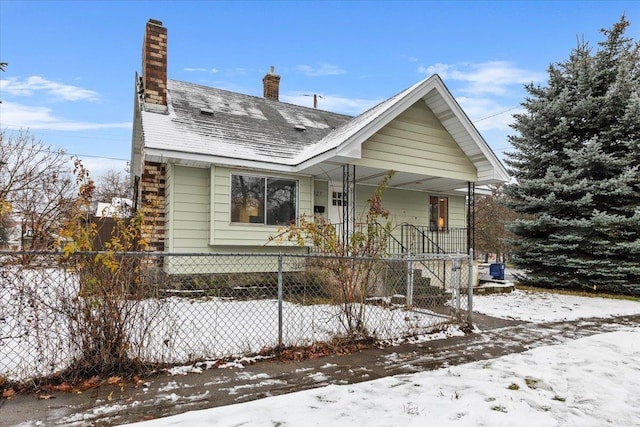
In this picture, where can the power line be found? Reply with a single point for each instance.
(502, 149)
(86, 136)
(66, 134)
(496, 114)
(66, 153)
(97, 157)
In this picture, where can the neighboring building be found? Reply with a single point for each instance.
(11, 235)
(107, 217)
(221, 171)
(118, 208)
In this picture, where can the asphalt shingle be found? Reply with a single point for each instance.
(235, 125)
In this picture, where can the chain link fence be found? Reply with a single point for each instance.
(182, 308)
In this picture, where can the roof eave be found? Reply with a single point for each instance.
(205, 160)
(353, 142)
(136, 137)
(500, 173)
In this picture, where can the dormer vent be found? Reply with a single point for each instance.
(300, 128)
(206, 111)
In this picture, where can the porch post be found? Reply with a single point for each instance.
(471, 215)
(348, 200)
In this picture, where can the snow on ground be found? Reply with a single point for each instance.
(591, 381)
(550, 307)
(587, 382)
(38, 319)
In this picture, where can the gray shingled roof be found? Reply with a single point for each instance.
(205, 125)
(240, 126)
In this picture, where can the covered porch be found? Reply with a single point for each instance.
(439, 161)
(424, 218)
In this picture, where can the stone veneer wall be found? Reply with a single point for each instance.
(152, 196)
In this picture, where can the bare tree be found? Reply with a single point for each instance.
(36, 185)
(490, 218)
(113, 184)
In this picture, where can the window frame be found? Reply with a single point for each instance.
(265, 204)
(442, 221)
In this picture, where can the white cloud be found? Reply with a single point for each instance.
(200, 70)
(33, 84)
(334, 103)
(18, 116)
(493, 77)
(323, 69)
(489, 92)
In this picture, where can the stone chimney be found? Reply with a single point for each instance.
(154, 63)
(271, 83)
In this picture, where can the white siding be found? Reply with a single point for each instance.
(412, 207)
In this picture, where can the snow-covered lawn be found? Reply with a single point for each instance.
(550, 307)
(593, 381)
(38, 319)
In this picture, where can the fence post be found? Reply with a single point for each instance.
(456, 279)
(409, 280)
(470, 288)
(280, 300)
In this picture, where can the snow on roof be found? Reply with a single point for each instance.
(235, 125)
(207, 123)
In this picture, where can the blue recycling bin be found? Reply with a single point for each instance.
(496, 271)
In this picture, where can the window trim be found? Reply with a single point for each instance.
(445, 218)
(265, 178)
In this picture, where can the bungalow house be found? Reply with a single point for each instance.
(222, 171)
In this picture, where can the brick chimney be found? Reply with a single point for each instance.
(271, 83)
(154, 63)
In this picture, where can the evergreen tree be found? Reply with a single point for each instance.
(576, 162)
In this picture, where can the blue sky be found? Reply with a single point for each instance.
(72, 63)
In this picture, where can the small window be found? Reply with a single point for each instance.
(262, 200)
(439, 213)
(336, 198)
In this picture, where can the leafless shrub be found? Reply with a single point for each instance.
(348, 261)
(111, 313)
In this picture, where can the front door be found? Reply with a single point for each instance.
(335, 206)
